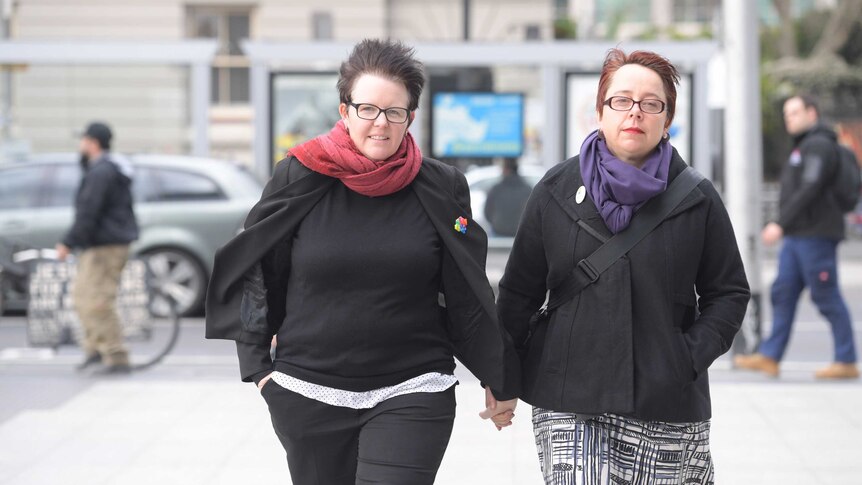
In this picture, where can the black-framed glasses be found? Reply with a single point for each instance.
(625, 103)
(368, 111)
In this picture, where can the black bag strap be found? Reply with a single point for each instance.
(650, 215)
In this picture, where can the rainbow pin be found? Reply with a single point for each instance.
(461, 225)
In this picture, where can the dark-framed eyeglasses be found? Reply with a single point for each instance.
(625, 103)
(368, 111)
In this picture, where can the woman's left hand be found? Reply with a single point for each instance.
(500, 412)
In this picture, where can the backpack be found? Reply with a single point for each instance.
(848, 180)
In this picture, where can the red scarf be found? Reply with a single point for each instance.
(334, 154)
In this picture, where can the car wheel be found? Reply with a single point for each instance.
(180, 276)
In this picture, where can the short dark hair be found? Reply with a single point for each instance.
(808, 101)
(510, 165)
(616, 59)
(385, 58)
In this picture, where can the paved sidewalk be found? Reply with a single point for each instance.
(189, 421)
(203, 427)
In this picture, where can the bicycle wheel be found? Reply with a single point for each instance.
(150, 337)
(52, 320)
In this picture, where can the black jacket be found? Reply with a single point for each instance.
(237, 309)
(639, 341)
(505, 204)
(808, 206)
(103, 206)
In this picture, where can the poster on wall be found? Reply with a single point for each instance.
(477, 124)
(304, 105)
(581, 117)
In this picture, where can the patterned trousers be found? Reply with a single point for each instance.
(611, 450)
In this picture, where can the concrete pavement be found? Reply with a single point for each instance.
(189, 421)
(186, 424)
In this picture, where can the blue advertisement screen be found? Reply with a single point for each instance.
(478, 124)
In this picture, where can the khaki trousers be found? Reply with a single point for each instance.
(95, 295)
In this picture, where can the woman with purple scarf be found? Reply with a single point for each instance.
(617, 375)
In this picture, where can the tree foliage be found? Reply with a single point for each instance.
(818, 53)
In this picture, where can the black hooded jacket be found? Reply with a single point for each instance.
(103, 206)
(807, 206)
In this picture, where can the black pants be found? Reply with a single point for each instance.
(400, 441)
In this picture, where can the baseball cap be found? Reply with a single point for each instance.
(99, 132)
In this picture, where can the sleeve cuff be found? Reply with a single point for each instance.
(499, 395)
(255, 361)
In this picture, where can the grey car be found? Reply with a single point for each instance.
(186, 207)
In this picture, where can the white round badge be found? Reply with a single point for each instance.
(579, 196)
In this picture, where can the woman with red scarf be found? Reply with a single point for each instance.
(363, 260)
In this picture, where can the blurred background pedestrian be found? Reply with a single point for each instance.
(506, 200)
(103, 229)
(811, 223)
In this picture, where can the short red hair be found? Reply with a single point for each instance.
(616, 59)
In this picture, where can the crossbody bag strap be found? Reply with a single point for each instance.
(646, 219)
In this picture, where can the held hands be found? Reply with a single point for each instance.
(500, 412)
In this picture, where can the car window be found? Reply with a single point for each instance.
(243, 182)
(19, 187)
(145, 185)
(63, 184)
(485, 184)
(178, 185)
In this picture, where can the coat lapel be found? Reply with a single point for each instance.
(468, 249)
(564, 189)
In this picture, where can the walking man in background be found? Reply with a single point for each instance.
(506, 201)
(811, 223)
(104, 227)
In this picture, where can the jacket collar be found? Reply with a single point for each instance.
(564, 186)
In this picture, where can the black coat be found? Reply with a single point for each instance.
(505, 204)
(478, 340)
(639, 341)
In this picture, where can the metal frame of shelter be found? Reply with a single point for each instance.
(554, 59)
(196, 54)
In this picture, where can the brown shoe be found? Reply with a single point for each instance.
(758, 362)
(838, 370)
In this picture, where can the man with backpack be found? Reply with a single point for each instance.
(814, 198)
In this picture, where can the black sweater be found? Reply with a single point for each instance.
(248, 306)
(362, 298)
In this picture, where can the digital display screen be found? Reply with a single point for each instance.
(477, 124)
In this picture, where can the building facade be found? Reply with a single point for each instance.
(149, 105)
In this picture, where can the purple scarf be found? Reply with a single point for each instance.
(617, 188)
